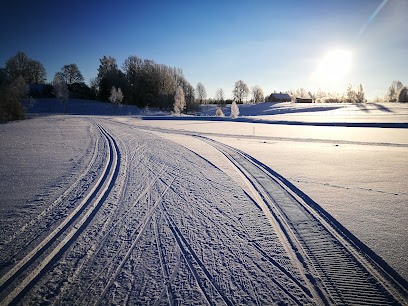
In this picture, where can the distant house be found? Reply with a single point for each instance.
(279, 97)
(304, 100)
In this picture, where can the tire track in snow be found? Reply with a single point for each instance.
(337, 265)
(92, 201)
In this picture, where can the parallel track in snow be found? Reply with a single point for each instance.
(136, 235)
(334, 261)
(195, 265)
(29, 270)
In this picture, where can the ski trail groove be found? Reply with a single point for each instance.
(139, 230)
(114, 225)
(164, 268)
(190, 257)
(93, 200)
(340, 271)
(57, 201)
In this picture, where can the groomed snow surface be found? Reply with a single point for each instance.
(125, 210)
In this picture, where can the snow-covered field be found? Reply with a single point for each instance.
(98, 210)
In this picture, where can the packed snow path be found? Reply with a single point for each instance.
(150, 222)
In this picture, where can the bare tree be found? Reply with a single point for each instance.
(201, 93)
(61, 91)
(234, 110)
(258, 94)
(240, 91)
(71, 74)
(179, 102)
(220, 97)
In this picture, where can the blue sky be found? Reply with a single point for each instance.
(274, 44)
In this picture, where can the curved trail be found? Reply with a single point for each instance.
(342, 272)
(92, 202)
(163, 225)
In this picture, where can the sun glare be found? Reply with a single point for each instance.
(333, 66)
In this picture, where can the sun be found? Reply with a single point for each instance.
(333, 66)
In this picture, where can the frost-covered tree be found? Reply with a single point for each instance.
(71, 74)
(179, 101)
(351, 94)
(312, 96)
(201, 93)
(393, 90)
(391, 94)
(234, 110)
(151, 84)
(32, 71)
(320, 94)
(240, 91)
(219, 113)
(258, 94)
(61, 90)
(360, 94)
(116, 98)
(403, 94)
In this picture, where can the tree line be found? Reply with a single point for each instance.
(145, 84)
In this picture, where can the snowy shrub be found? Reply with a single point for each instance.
(234, 110)
(402, 95)
(219, 113)
(179, 102)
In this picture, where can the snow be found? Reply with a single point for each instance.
(359, 175)
(172, 220)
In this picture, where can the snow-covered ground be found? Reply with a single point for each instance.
(127, 210)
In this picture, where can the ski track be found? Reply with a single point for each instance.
(67, 227)
(160, 225)
(342, 272)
